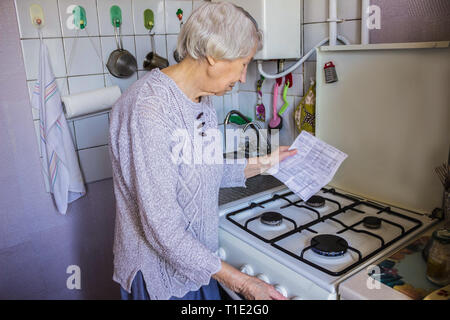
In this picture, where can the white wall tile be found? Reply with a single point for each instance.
(171, 7)
(310, 73)
(92, 131)
(157, 6)
(171, 47)
(51, 26)
(72, 131)
(86, 83)
(109, 45)
(247, 104)
(67, 27)
(143, 47)
(350, 30)
(95, 164)
(313, 34)
(82, 55)
(30, 49)
(105, 26)
(317, 10)
(123, 83)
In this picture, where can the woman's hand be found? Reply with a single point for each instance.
(259, 165)
(256, 289)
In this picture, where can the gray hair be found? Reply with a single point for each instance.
(220, 30)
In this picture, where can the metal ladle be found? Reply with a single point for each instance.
(121, 63)
(152, 59)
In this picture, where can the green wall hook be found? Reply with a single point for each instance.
(149, 19)
(116, 16)
(79, 17)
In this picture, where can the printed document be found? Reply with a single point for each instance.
(314, 165)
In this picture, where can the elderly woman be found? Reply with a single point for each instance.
(166, 232)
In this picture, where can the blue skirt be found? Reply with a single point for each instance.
(139, 291)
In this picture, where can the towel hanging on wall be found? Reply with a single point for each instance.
(60, 162)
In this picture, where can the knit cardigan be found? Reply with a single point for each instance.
(166, 222)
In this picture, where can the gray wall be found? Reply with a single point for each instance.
(412, 21)
(37, 244)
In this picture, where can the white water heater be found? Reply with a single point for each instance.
(280, 24)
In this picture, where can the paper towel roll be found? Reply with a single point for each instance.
(87, 102)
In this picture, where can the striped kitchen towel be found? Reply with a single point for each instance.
(60, 162)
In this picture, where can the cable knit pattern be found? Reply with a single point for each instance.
(166, 210)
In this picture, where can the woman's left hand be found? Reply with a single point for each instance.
(259, 165)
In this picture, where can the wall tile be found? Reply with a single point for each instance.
(157, 6)
(51, 26)
(317, 10)
(86, 83)
(123, 83)
(67, 19)
(82, 55)
(171, 7)
(105, 25)
(30, 49)
(95, 164)
(171, 47)
(92, 131)
(247, 104)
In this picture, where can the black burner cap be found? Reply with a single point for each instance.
(372, 222)
(271, 218)
(329, 245)
(316, 201)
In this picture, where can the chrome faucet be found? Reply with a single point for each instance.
(254, 125)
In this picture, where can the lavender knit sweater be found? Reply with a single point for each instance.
(166, 212)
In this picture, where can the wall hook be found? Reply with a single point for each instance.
(37, 16)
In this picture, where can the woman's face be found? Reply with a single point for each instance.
(224, 74)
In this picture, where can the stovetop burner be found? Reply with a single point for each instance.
(271, 218)
(372, 222)
(316, 202)
(329, 245)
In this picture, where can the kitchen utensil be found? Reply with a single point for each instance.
(276, 123)
(330, 72)
(152, 59)
(286, 103)
(438, 262)
(260, 109)
(121, 63)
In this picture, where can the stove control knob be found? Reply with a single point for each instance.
(281, 290)
(222, 254)
(247, 269)
(263, 277)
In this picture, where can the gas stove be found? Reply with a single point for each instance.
(305, 249)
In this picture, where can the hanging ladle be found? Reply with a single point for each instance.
(152, 59)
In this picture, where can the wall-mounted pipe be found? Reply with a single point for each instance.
(364, 20)
(332, 22)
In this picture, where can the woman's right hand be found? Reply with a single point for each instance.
(256, 289)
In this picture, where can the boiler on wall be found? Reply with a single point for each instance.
(280, 24)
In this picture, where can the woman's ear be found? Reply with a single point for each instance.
(211, 61)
